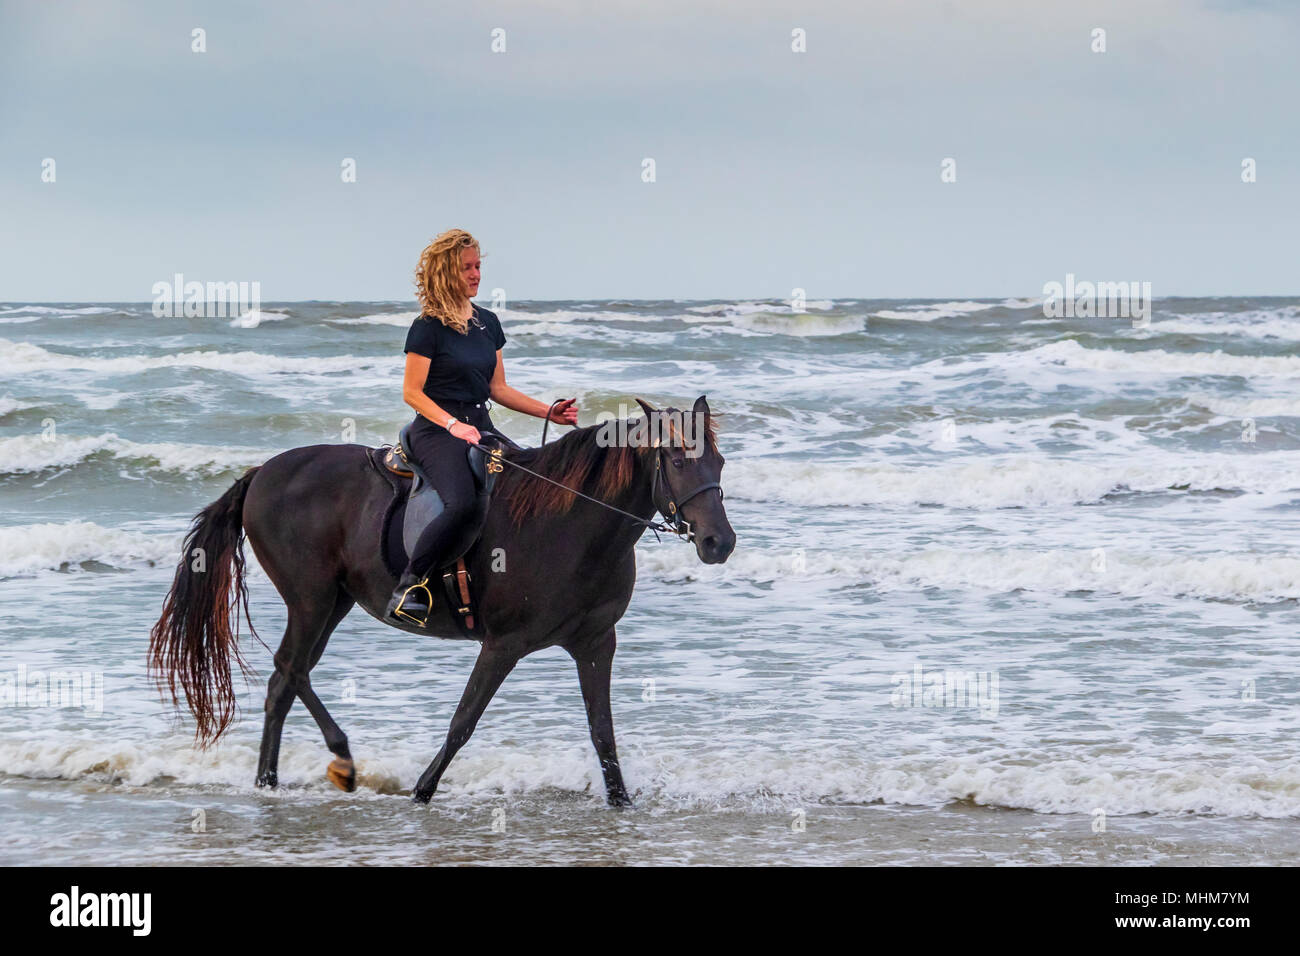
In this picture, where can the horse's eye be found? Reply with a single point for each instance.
(677, 463)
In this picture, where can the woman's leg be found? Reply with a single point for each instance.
(443, 458)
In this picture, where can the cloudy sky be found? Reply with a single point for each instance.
(774, 169)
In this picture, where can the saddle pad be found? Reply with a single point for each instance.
(395, 556)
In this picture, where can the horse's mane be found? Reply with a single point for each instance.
(575, 460)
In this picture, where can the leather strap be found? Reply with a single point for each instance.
(393, 461)
(672, 508)
(460, 600)
(467, 605)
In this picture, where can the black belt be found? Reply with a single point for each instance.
(457, 405)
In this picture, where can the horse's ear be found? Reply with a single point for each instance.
(647, 408)
(701, 406)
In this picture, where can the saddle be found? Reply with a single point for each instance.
(411, 513)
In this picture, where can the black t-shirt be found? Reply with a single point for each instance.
(460, 366)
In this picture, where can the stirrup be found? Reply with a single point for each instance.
(423, 585)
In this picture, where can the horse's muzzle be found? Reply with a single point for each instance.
(715, 548)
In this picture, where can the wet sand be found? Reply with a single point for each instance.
(83, 823)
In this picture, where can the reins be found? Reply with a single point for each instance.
(494, 455)
(679, 526)
(547, 424)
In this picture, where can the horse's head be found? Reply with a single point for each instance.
(687, 469)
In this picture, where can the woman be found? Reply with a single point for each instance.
(453, 366)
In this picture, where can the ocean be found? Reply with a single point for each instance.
(1008, 588)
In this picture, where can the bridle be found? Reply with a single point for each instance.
(671, 509)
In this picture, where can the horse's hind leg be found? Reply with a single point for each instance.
(310, 624)
(341, 771)
(280, 693)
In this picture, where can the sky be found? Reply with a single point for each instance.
(773, 169)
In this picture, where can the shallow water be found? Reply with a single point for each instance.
(1092, 525)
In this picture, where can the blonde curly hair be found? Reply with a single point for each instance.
(437, 278)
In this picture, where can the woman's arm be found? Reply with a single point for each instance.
(417, 373)
(566, 412)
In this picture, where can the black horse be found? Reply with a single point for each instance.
(550, 568)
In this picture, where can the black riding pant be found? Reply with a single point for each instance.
(444, 459)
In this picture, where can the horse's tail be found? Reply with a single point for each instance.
(193, 641)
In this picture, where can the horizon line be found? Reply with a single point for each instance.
(840, 298)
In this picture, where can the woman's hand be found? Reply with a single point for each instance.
(465, 431)
(565, 412)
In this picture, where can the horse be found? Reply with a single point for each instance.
(314, 516)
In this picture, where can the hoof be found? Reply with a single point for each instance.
(268, 779)
(342, 774)
(619, 799)
(419, 797)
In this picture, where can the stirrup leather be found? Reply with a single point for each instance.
(423, 585)
(460, 600)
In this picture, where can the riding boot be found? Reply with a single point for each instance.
(411, 601)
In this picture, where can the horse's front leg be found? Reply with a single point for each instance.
(490, 670)
(595, 662)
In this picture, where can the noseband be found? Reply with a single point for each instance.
(671, 509)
